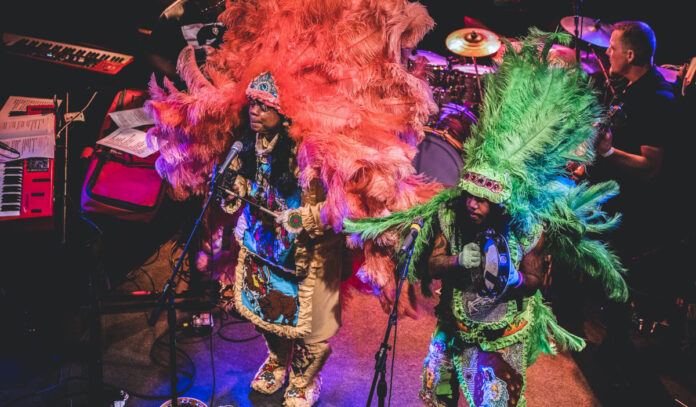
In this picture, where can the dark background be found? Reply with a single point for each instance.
(114, 24)
(673, 26)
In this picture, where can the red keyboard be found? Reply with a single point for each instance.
(26, 189)
(92, 59)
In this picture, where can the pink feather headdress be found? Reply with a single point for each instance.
(357, 114)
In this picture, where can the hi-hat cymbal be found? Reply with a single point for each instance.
(589, 30)
(432, 58)
(473, 42)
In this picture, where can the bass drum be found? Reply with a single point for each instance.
(440, 153)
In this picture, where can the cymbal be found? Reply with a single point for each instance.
(432, 58)
(669, 72)
(589, 29)
(562, 54)
(559, 55)
(473, 42)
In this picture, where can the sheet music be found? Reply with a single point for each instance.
(131, 141)
(20, 103)
(31, 135)
(131, 118)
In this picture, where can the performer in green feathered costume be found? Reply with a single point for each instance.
(537, 117)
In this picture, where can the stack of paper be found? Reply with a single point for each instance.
(26, 136)
(126, 138)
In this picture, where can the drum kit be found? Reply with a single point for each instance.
(456, 81)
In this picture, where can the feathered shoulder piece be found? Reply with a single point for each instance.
(356, 112)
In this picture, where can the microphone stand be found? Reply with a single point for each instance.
(167, 296)
(381, 355)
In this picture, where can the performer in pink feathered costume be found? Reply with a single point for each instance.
(350, 117)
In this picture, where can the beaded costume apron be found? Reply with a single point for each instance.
(267, 290)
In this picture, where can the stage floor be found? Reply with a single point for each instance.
(41, 371)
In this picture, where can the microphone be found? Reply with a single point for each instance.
(236, 148)
(416, 225)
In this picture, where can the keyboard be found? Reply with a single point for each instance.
(92, 59)
(26, 189)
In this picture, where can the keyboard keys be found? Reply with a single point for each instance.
(52, 51)
(11, 183)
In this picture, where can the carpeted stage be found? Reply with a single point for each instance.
(51, 368)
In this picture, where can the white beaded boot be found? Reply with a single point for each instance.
(305, 378)
(271, 375)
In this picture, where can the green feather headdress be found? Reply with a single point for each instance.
(535, 118)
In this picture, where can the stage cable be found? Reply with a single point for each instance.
(211, 264)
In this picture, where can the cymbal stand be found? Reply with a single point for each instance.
(59, 121)
(605, 73)
(478, 79)
(578, 23)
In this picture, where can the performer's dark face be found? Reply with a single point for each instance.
(263, 119)
(478, 209)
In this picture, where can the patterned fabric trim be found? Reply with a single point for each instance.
(467, 392)
(462, 381)
(306, 289)
(471, 331)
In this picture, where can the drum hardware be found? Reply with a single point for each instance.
(444, 134)
(605, 73)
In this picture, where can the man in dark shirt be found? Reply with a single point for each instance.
(635, 151)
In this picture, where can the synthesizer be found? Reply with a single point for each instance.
(26, 189)
(92, 59)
